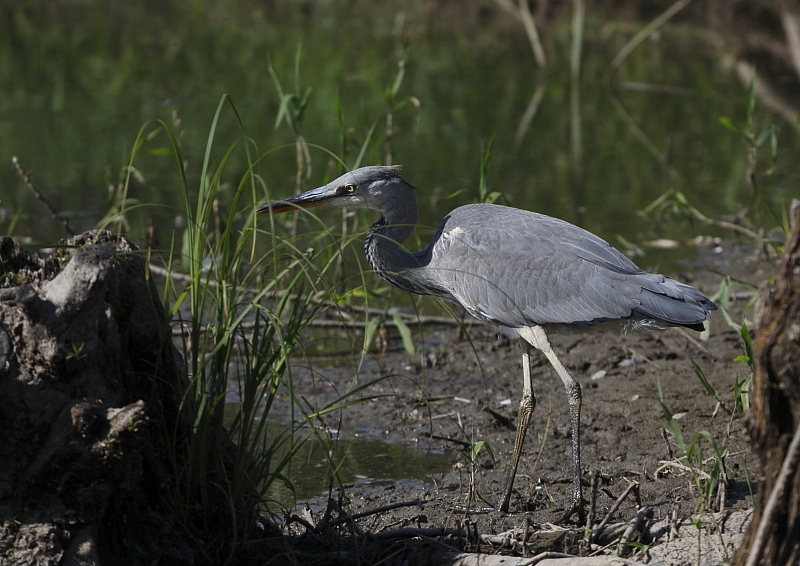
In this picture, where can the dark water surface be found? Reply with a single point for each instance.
(361, 461)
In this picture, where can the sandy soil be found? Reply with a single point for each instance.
(439, 399)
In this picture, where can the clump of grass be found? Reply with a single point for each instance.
(741, 389)
(244, 297)
(705, 473)
(243, 313)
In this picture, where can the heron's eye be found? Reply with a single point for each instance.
(350, 188)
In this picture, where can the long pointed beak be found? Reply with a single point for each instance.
(309, 199)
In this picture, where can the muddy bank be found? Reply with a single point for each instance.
(458, 392)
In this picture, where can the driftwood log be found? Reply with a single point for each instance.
(773, 536)
(90, 391)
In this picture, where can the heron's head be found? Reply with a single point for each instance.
(375, 187)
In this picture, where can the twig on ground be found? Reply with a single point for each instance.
(721, 496)
(592, 504)
(462, 443)
(666, 442)
(349, 521)
(506, 539)
(298, 519)
(438, 543)
(377, 510)
(703, 475)
(633, 526)
(673, 520)
(525, 536)
(598, 531)
(412, 532)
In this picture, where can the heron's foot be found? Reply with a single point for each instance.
(578, 506)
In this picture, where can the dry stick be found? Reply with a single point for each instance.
(345, 518)
(633, 526)
(462, 443)
(592, 504)
(356, 530)
(505, 539)
(611, 511)
(673, 520)
(789, 464)
(684, 468)
(666, 442)
(298, 519)
(411, 532)
(434, 542)
(637, 494)
(26, 176)
(500, 538)
(721, 496)
(525, 536)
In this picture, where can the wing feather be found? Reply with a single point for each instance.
(518, 268)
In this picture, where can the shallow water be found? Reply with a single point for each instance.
(359, 462)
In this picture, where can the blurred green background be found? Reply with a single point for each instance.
(78, 79)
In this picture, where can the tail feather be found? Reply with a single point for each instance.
(676, 304)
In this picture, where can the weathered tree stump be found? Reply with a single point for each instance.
(90, 391)
(773, 536)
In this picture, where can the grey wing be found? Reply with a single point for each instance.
(518, 268)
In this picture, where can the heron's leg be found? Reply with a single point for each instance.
(540, 341)
(526, 407)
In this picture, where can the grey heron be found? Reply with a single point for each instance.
(523, 272)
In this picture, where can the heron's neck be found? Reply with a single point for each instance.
(382, 247)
